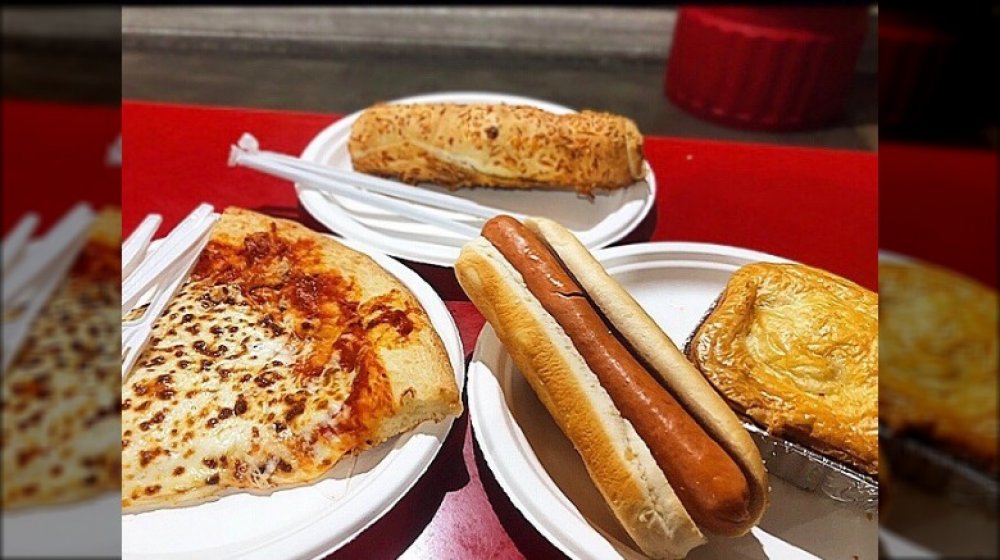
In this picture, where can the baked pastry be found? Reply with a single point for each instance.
(795, 349)
(60, 394)
(939, 359)
(284, 352)
(507, 146)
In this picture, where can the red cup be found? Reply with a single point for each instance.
(765, 68)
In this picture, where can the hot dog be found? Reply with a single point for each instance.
(601, 366)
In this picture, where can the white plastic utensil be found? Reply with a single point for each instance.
(439, 209)
(134, 248)
(135, 333)
(433, 216)
(162, 272)
(29, 283)
(14, 242)
(186, 234)
(248, 146)
(65, 235)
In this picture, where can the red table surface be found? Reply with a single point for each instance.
(815, 206)
(54, 157)
(940, 204)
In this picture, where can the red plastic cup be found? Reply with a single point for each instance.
(765, 68)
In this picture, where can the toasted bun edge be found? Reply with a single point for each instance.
(669, 364)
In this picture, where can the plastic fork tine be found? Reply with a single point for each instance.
(42, 269)
(134, 248)
(247, 153)
(66, 236)
(14, 242)
(135, 334)
(423, 214)
(15, 331)
(176, 244)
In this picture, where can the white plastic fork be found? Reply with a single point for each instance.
(189, 231)
(249, 148)
(134, 248)
(67, 234)
(135, 333)
(15, 241)
(424, 214)
(29, 284)
(419, 204)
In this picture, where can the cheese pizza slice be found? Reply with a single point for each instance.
(283, 352)
(60, 396)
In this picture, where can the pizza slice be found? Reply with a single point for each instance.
(283, 352)
(60, 396)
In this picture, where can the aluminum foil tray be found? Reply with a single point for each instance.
(935, 471)
(814, 472)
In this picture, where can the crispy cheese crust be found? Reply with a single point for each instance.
(506, 146)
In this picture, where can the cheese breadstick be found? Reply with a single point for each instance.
(506, 146)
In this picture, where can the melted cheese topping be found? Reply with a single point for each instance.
(263, 371)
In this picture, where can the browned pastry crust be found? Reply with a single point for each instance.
(795, 348)
(507, 146)
(939, 354)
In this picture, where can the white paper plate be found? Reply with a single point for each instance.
(598, 223)
(893, 257)
(544, 477)
(897, 546)
(314, 520)
(64, 530)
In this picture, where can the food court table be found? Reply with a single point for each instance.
(811, 205)
(815, 206)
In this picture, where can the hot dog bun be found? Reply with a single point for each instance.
(619, 461)
(653, 345)
(492, 145)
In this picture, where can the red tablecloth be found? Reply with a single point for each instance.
(815, 206)
(54, 157)
(940, 204)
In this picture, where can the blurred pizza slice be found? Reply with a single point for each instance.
(60, 396)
